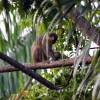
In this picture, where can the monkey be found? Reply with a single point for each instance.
(42, 50)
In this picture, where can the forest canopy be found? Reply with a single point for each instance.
(77, 72)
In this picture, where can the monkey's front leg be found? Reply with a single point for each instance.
(52, 56)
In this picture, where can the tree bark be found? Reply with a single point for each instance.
(84, 26)
(68, 63)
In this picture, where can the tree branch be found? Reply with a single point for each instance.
(84, 26)
(54, 64)
(28, 71)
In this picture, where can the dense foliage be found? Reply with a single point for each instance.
(22, 20)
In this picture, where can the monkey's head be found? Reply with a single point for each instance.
(53, 38)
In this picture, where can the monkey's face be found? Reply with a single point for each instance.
(52, 38)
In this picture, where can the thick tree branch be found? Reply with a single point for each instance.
(28, 71)
(84, 26)
(54, 64)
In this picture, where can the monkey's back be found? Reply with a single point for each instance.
(38, 54)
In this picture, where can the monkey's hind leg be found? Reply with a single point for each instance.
(39, 55)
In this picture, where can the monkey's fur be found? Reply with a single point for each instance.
(42, 48)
